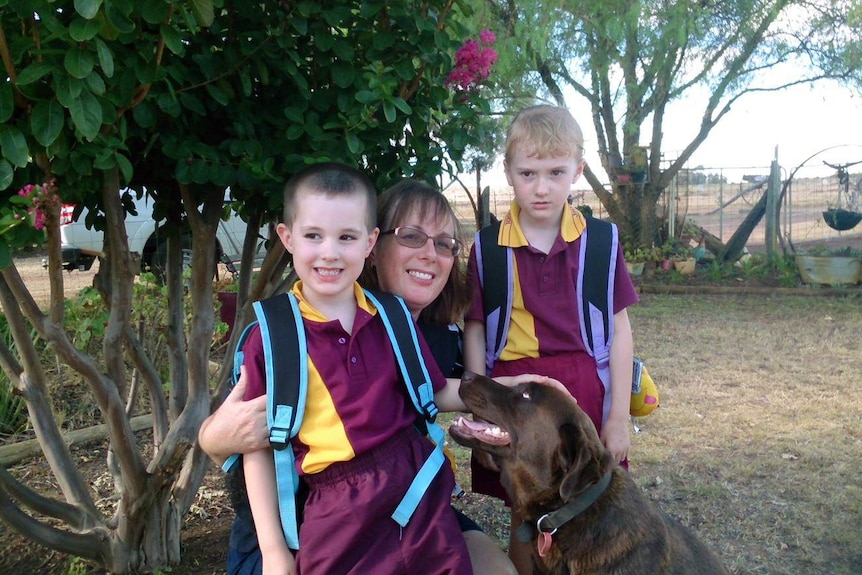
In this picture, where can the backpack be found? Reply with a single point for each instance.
(595, 292)
(286, 403)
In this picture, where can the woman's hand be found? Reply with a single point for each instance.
(237, 426)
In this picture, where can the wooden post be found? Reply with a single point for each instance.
(772, 192)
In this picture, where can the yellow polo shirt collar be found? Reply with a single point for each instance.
(572, 225)
(312, 314)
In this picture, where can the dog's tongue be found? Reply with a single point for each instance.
(483, 431)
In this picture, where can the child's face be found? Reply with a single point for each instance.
(542, 185)
(329, 240)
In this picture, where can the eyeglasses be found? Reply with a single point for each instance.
(413, 238)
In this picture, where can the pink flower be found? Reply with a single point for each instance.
(487, 37)
(473, 62)
(41, 199)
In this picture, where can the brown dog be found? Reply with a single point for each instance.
(585, 514)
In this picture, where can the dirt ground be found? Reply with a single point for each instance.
(733, 452)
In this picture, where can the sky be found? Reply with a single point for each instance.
(800, 122)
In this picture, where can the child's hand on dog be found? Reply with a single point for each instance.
(513, 380)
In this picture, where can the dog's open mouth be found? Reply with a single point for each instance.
(483, 431)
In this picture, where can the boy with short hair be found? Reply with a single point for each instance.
(357, 449)
(543, 158)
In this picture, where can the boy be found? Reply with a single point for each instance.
(357, 449)
(543, 158)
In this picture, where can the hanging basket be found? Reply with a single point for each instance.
(841, 219)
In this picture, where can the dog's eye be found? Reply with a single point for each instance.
(525, 394)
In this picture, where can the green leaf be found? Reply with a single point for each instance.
(402, 105)
(343, 74)
(354, 144)
(79, 62)
(88, 8)
(68, 90)
(193, 103)
(366, 97)
(14, 145)
(343, 48)
(5, 254)
(145, 114)
(324, 41)
(154, 11)
(6, 174)
(389, 111)
(86, 115)
(7, 101)
(95, 84)
(46, 122)
(33, 73)
(203, 11)
(125, 166)
(245, 81)
(82, 30)
(217, 94)
(172, 39)
(119, 19)
(106, 58)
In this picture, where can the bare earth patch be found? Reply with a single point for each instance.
(757, 444)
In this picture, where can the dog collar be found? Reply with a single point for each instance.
(550, 522)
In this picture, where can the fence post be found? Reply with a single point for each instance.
(773, 188)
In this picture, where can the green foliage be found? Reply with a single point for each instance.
(641, 254)
(830, 251)
(787, 272)
(13, 410)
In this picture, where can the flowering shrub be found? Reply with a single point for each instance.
(473, 62)
(23, 218)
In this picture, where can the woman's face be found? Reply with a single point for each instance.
(418, 275)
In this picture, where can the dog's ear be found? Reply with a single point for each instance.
(584, 462)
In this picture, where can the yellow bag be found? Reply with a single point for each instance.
(644, 391)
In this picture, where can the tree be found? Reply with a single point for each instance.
(631, 60)
(181, 100)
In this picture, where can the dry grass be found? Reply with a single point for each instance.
(756, 445)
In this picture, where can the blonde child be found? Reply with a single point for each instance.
(543, 158)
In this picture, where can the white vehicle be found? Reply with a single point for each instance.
(81, 246)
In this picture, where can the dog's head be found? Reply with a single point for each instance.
(546, 447)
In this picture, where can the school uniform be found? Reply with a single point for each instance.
(445, 344)
(358, 451)
(544, 335)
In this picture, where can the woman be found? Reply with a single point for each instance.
(427, 276)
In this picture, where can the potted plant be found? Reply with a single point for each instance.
(678, 256)
(638, 258)
(830, 266)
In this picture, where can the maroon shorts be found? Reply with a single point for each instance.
(347, 526)
(577, 372)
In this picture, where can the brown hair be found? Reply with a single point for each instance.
(545, 131)
(331, 179)
(413, 197)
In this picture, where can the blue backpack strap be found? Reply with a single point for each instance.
(285, 357)
(596, 277)
(405, 343)
(492, 260)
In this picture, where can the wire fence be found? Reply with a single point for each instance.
(710, 199)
